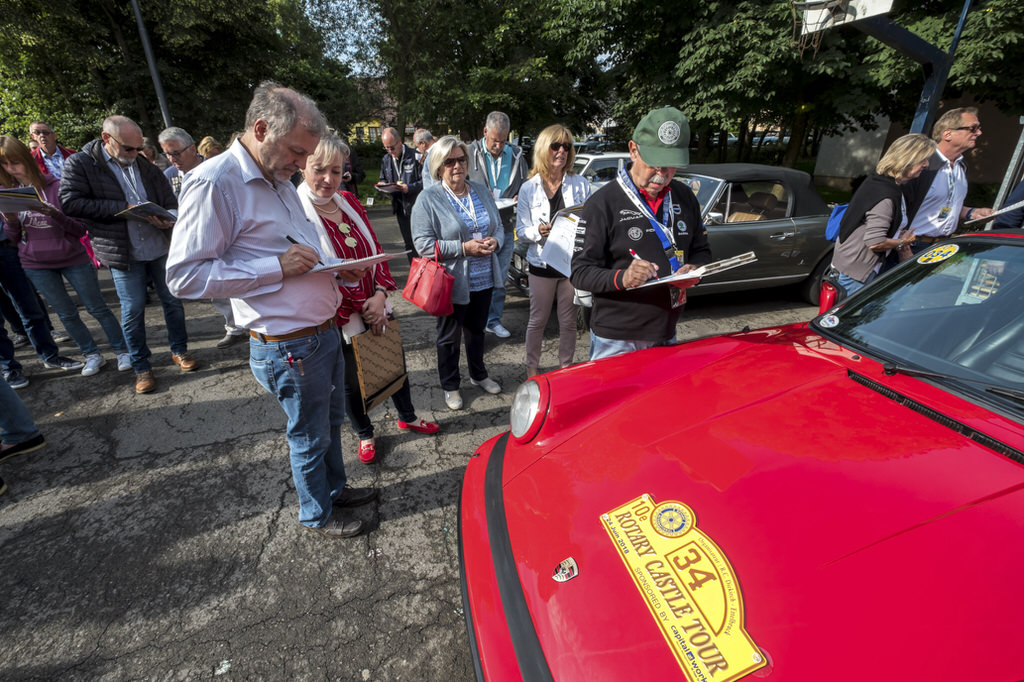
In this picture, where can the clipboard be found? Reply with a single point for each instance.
(18, 199)
(380, 364)
(705, 270)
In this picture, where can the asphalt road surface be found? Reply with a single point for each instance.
(156, 536)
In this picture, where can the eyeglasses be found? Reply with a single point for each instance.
(41, 132)
(393, 146)
(126, 147)
(451, 161)
(555, 146)
(177, 153)
(974, 128)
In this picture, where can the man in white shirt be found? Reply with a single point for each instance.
(242, 234)
(935, 199)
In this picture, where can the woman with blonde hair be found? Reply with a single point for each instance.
(50, 249)
(208, 147)
(345, 232)
(874, 222)
(551, 186)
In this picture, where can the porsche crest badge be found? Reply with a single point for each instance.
(566, 570)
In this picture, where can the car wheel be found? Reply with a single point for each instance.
(811, 288)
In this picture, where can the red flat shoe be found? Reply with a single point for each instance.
(420, 426)
(368, 451)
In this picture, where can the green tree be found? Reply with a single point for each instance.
(73, 62)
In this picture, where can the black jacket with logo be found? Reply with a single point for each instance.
(613, 225)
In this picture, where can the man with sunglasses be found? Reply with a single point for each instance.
(49, 155)
(399, 166)
(502, 167)
(935, 199)
(640, 226)
(105, 178)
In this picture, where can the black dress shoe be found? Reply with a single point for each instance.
(30, 445)
(338, 527)
(353, 497)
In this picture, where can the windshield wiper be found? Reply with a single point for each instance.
(890, 369)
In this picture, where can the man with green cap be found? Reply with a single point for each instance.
(641, 226)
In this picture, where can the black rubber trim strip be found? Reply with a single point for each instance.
(474, 650)
(532, 664)
(936, 416)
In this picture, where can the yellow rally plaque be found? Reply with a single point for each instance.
(688, 585)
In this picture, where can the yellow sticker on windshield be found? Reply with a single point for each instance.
(938, 254)
(689, 586)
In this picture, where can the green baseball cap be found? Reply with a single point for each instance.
(663, 138)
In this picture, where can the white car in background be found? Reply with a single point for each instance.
(599, 168)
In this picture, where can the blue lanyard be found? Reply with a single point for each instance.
(662, 229)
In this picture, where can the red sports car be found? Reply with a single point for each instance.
(836, 500)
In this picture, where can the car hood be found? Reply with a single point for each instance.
(846, 513)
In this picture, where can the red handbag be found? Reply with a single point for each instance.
(430, 285)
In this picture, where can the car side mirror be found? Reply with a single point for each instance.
(715, 218)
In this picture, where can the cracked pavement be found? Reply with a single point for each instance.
(156, 536)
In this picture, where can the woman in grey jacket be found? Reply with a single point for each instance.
(461, 218)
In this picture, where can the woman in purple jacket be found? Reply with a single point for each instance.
(50, 247)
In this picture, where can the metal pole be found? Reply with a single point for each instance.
(152, 65)
(1013, 174)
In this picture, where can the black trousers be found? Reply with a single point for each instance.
(467, 323)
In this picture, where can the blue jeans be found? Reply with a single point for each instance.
(131, 290)
(851, 285)
(50, 283)
(498, 293)
(600, 347)
(14, 417)
(307, 376)
(26, 302)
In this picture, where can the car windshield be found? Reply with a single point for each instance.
(956, 310)
(704, 187)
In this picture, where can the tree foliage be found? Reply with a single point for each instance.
(74, 62)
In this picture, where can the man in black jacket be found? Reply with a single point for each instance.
(105, 178)
(400, 166)
(642, 225)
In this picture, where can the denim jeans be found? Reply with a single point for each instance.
(498, 293)
(14, 417)
(7, 361)
(26, 302)
(851, 285)
(307, 376)
(50, 283)
(131, 290)
(600, 347)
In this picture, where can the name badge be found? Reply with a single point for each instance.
(478, 235)
(944, 213)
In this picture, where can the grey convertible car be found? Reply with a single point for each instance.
(775, 212)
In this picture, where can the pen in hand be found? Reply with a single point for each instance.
(289, 238)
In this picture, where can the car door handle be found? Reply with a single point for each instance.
(779, 236)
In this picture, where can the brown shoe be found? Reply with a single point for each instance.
(185, 361)
(145, 382)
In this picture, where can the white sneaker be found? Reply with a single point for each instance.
(453, 399)
(93, 362)
(488, 384)
(124, 362)
(498, 330)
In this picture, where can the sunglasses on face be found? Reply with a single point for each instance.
(126, 147)
(451, 161)
(177, 153)
(555, 146)
(974, 128)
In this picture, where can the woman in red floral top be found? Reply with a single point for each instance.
(346, 233)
